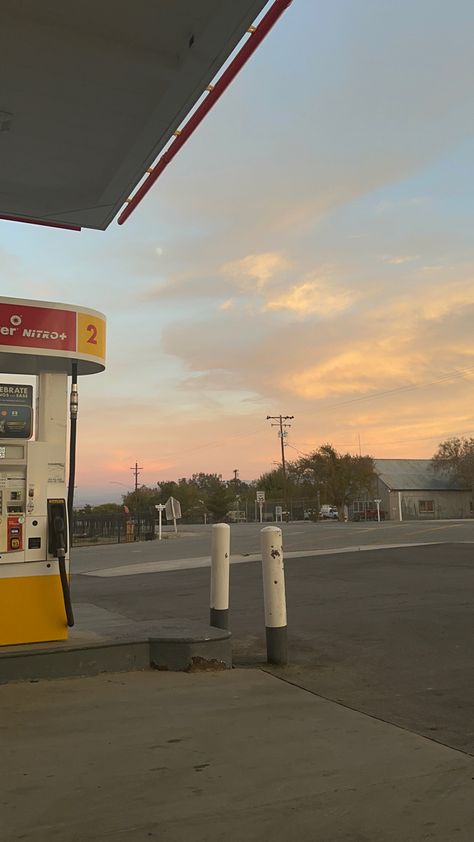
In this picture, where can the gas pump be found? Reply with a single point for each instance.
(51, 342)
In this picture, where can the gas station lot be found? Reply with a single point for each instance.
(387, 631)
(367, 735)
(194, 541)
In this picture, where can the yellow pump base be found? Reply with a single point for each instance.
(31, 610)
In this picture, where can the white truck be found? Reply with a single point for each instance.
(328, 513)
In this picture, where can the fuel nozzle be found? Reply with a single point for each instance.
(73, 401)
(60, 533)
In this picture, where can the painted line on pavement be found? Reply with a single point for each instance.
(433, 529)
(205, 561)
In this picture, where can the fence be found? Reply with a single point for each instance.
(123, 528)
(111, 529)
(302, 509)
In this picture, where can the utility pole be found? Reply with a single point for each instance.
(281, 433)
(136, 470)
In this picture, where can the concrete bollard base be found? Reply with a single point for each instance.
(219, 618)
(277, 645)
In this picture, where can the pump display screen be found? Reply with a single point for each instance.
(16, 422)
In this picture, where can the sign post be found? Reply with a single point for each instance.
(173, 511)
(377, 503)
(260, 497)
(159, 509)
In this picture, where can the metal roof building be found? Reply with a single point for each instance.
(411, 489)
(416, 475)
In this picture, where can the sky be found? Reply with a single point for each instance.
(308, 252)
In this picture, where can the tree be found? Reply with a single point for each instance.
(206, 482)
(188, 495)
(273, 482)
(202, 494)
(338, 477)
(107, 509)
(455, 456)
(214, 494)
(142, 500)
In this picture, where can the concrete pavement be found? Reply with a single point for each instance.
(367, 736)
(219, 757)
(388, 632)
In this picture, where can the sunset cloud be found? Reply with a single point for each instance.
(309, 251)
(359, 370)
(399, 261)
(256, 269)
(319, 297)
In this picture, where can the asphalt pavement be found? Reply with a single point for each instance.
(194, 542)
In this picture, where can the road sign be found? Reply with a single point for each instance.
(173, 509)
(260, 496)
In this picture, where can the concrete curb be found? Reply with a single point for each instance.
(177, 648)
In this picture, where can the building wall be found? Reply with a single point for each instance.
(445, 504)
(383, 494)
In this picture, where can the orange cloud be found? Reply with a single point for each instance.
(359, 370)
(258, 269)
(318, 296)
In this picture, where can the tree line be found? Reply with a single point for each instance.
(323, 477)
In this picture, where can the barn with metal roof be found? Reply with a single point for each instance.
(412, 489)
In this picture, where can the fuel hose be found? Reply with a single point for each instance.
(73, 407)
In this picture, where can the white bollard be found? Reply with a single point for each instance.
(274, 595)
(220, 562)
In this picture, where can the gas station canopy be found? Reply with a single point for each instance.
(92, 91)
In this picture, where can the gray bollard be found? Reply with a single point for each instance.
(274, 595)
(220, 561)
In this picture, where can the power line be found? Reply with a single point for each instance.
(212, 444)
(455, 373)
(298, 451)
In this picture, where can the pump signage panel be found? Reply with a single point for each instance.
(16, 412)
(37, 327)
(55, 330)
(18, 394)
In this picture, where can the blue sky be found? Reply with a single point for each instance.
(307, 252)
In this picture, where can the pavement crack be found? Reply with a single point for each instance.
(287, 680)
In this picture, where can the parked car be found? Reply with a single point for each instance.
(368, 514)
(328, 513)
